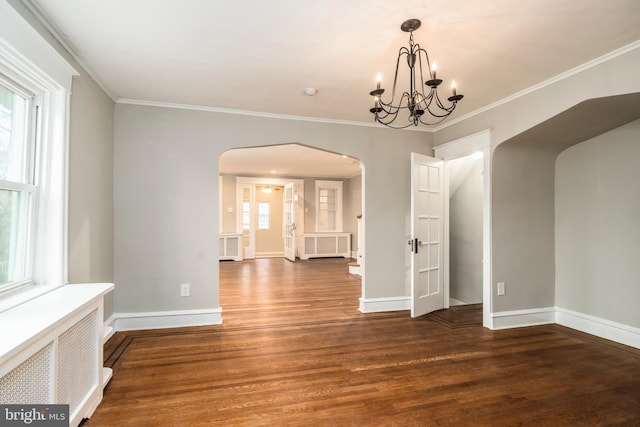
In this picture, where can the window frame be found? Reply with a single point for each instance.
(27, 184)
(329, 185)
(33, 62)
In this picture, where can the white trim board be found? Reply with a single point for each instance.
(603, 328)
(378, 305)
(165, 319)
(210, 109)
(521, 318)
(607, 329)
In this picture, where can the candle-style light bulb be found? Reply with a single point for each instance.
(378, 80)
(434, 67)
(453, 88)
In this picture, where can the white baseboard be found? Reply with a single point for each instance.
(375, 305)
(603, 328)
(520, 318)
(269, 254)
(599, 327)
(165, 319)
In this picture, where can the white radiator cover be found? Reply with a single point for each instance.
(231, 246)
(319, 245)
(51, 350)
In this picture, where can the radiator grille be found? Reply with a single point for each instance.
(30, 381)
(326, 245)
(232, 248)
(78, 356)
(343, 244)
(310, 245)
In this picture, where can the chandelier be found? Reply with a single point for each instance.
(419, 99)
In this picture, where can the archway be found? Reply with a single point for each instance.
(245, 172)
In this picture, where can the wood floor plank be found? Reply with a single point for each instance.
(295, 351)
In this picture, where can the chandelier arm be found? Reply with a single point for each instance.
(419, 51)
(435, 122)
(425, 99)
(389, 107)
(441, 105)
(391, 111)
(402, 51)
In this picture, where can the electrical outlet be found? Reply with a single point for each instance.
(501, 289)
(184, 290)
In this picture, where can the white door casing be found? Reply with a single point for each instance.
(245, 193)
(246, 224)
(289, 222)
(427, 201)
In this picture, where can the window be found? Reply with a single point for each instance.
(35, 89)
(329, 206)
(17, 188)
(264, 219)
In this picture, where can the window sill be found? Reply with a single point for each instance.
(23, 294)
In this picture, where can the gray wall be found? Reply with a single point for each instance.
(465, 231)
(522, 221)
(90, 235)
(166, 198)
(90, 183)
(597, 226)
(229, 201)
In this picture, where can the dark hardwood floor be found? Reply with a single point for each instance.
(295, 351)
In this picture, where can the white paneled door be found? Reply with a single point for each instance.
(427, 230)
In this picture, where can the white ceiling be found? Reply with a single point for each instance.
(257, 55)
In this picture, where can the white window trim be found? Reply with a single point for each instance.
(335, 185)
(28, 59)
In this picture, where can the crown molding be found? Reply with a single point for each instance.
(257, 114)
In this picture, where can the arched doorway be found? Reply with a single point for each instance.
(326, 202)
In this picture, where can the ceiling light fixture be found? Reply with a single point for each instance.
(419, 99)
(266, 189)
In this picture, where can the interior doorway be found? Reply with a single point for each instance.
(466, 191)
(472, 145)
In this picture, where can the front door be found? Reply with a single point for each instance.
(427, 206)
(289, 222)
